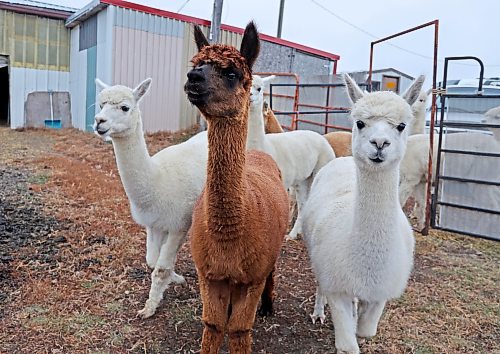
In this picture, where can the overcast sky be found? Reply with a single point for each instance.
(346, 28)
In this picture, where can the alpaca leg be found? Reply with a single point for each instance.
(301, 192)
(369, 315)
(267, 298)
(215, 296)
(344, 322)
(163, 274)
(319, 307)
(244, 301)
(154, 240)
(419, 209)
(292, 216)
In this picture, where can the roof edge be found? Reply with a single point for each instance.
(35, 10)
(84, 13)
(203, 22)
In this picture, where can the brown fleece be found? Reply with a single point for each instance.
(240, 219)
(341, 143)
(271, 123)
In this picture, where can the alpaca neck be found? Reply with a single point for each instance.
(256, 129)
(376, 199)
(225, 176)
(418, 126)
(134, 164)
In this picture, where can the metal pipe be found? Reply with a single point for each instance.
(428, 194)
(216, 21)
(280, 17)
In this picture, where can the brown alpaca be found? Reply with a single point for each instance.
(340, 143)
(240, 220)
(271, 123)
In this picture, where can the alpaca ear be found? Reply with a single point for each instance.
(100, 85)
(353, 90)
(141, 89)
(250, 45)
(269, 79)
(199, 38)
(429, 91)
(411, 94)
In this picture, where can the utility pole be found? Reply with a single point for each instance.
(280, 18)
(215, 26)
(213, 37)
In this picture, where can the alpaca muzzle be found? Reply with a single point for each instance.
(196, 86)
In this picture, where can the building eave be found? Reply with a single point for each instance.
(84, 13)
(35, 10)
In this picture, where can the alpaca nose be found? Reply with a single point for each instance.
(196, 75)
(380, 143)
(99, 120)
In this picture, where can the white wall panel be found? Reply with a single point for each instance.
(24, 81)
(138, 55)
(78, 81)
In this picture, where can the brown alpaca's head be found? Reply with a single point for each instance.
(219, 83)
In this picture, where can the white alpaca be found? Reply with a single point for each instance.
(299, 154)
(162, 189)
(413, 173)
(493, 117)
(359, 240)
(414, 167)
(418, 108)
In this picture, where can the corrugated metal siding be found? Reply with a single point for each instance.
(24, 80)
(34, 42)
(145, 45)
(138, 55)
(189, 114)
(38, 50)
(78, 80)
(274, 58)
(90, 97)
(88, 33)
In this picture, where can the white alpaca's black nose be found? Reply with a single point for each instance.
(380, 143)
(99, 120)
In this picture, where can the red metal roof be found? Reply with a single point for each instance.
(199, 21)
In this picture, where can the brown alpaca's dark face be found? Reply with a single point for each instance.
(216, 91)
(219, 83)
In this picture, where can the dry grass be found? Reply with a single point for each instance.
(86, 300)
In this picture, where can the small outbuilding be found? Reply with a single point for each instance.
(123, 43)
(34, 64)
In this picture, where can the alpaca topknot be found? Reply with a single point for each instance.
(224, 56)
(383, 105)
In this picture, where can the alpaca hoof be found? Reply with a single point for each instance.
(177, 279)
(265, 311)
(291, 236)
(315, 316)
(355, 351)
(366, 331)
(146, 312)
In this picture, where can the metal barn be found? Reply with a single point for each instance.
(34, 64)
(123, 43)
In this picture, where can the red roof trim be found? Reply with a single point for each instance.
(199, 21)
(155, 11)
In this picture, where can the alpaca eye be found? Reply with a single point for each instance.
(360, 124)
(401, 127)
(124, 108)
(259, 89)
(231, 76)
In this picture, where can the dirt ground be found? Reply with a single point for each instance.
(73, 273)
